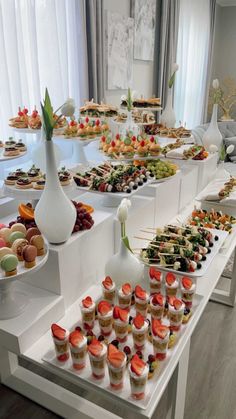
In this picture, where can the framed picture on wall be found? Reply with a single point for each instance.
(144, 13)
(119, 36)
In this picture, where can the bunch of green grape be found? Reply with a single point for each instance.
(161, 169)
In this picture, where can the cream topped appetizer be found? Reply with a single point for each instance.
(61, 342)
(109, 289)
(138, 372)
(121, 321)
(155, 280)
(105, 317)
(139, 331)
(188, 289)
(87, 307)
(160, 339)
(125, 296)
(78, 349)
(97, 354)
(141, 300)
(176, 313)
(171, 284)
(116, 361)
(157, 305)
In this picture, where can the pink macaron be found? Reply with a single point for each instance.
(2, 225)
(2, 242)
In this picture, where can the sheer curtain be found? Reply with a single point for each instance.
(42, 43)
(192, 57)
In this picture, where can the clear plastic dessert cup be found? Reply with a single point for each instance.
(138, 383)
(116, 375)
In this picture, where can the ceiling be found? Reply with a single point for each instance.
(226, 2)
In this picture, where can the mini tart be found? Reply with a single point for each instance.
(64, 180)
(10, 143)
(39, 184)
(22, 183)
(33, 177)
(21, 147)
(11, 151)
(11, 180)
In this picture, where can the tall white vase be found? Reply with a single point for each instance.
(168, 117)
(55, 214)
(124, 267)
(212, 134)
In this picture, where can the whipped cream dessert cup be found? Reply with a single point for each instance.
(141, 306)
(109, 294)
(124, 301)
(116, 375)
(138, 383)
(187, 295)
(88, 316)
(156, 310)
(140, 336)
(171, 290)
(98, 363)
(176, 317)
(160, 346)
(78, 354)
(62, 348)
(105, 323)
(155, 285)
(121, 329)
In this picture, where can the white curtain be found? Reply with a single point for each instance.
(192, 57)
(42, 44)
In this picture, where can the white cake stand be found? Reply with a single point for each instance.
(13, 303)
(78, 155)
(6, 158)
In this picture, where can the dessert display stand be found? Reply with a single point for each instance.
(78, 154)
(72, 271)
(6, 158)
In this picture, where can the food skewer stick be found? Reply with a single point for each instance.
(169, 243)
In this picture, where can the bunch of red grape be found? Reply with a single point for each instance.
(27, 223)
(84, 220)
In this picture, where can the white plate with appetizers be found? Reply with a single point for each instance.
(6, 158)
(85, 379)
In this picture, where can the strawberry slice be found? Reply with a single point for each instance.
(151, 272)
(171, 299)
(157, 275)
(158, 300)
(187, 282)
(140, 292)
(95, 347)
(107, 283)
(170, 278)
(58, 332)
(155, 324)
(126, 288)
(138, 321)
(104, 307)
(115, 357)
(123, 315)
(137, 365)
(177, 304)
(87, 302)
(162, 331)
(116, 312)
(76, 338)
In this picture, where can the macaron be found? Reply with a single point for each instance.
(9, 264)
(5, 234)
(2, 242)
(38, 242)
(33, 231)
(18, 246)
(16, 235)
(2, 225)
(29, 254)
(18, 227)
(5, 251)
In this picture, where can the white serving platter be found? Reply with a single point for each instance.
(205, 264)
(6, 158)
(119, 195)
(83, 141)
(85, 379)
(12, 191)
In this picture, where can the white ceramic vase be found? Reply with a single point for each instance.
(168, 117)
(129, 125)
(124, 267)
(55, 214)
(212, 134)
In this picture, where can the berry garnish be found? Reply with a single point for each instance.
(101, 338)
(151, 358)
(158, 299)
(78, 328)
(140, 355)
(127, 350)
(117, 136)
(177, 304)
(95, 347)
(142, 143)
(187, 282)
(115, 342)
(115, 357)
(155, 324)
(170, 278)
(152, 139)
(162, 331)
(140, 293)
(97, 123)
(58, 332)
(137, 365)
(87, 119)
(126, 289)
(155, 274)
(116, 310)
(104, 307)
(87, 302)
(130, 319)
(107, 283)
(113, 143)
(138, 321)
(76, 338)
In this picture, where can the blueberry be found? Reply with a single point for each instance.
(151, 369)
(144, 179)
(140, 183)
(216, 238)
(135, 187)
(128, 190)
(115, 343)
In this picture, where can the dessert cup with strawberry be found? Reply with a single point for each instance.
(160, 339)
(188, 289)
(120, 323)
(97, 355)
(78, 349)
(141, 300)
(171, 284)
(105, 317)
(176, 313)
(87, 307)
(138, 372)
(116, 361)
(139, 331)
(109, 290)
(125, 295)
(61, 342)
(155, 280)
(157, 305)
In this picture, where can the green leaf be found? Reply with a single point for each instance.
(48, 106)
(171, 81)
(48, 129)
(126, 243)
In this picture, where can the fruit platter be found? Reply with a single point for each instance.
(123, 341)
(161, 170)
(185, 249)
(108, 178)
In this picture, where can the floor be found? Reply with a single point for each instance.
(211, 380)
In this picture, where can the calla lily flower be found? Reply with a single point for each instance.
(230, 149)
(215, 84)
(68, 109)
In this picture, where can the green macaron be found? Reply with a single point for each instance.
(9, 263)
(16, 235)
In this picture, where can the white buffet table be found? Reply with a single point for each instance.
(71, 270)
